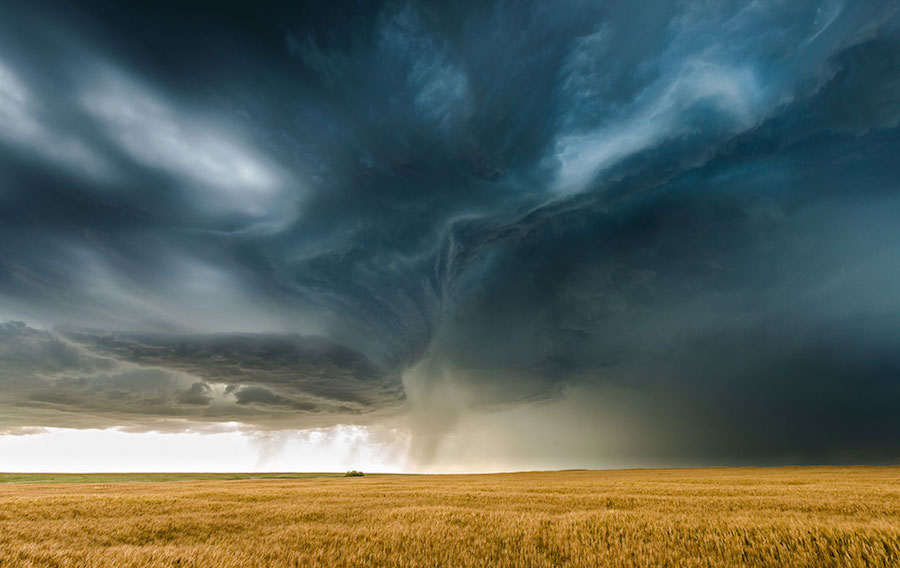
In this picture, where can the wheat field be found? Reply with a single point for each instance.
(790, 517)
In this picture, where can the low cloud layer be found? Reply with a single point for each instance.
(664, 234)
(83, 378)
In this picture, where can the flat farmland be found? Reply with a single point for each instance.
(748, 517)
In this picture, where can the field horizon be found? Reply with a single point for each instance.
(40, 477)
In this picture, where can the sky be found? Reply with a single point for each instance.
(462, 236)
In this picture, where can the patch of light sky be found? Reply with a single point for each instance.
(113, 450)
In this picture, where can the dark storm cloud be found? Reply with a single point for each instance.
(305, 367)
(278, 212)
(87, 378)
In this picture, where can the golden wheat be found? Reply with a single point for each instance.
(792, 517)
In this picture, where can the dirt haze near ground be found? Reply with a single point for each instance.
(748, 517)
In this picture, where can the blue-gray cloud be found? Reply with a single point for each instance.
(87, 378)
(295, 209)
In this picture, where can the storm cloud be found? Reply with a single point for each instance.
(665, 232)
(84, 378)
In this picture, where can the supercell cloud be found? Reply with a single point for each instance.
(573, 233)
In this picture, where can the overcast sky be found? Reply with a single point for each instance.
(458, 236)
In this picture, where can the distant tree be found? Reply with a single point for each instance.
(354, 473)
